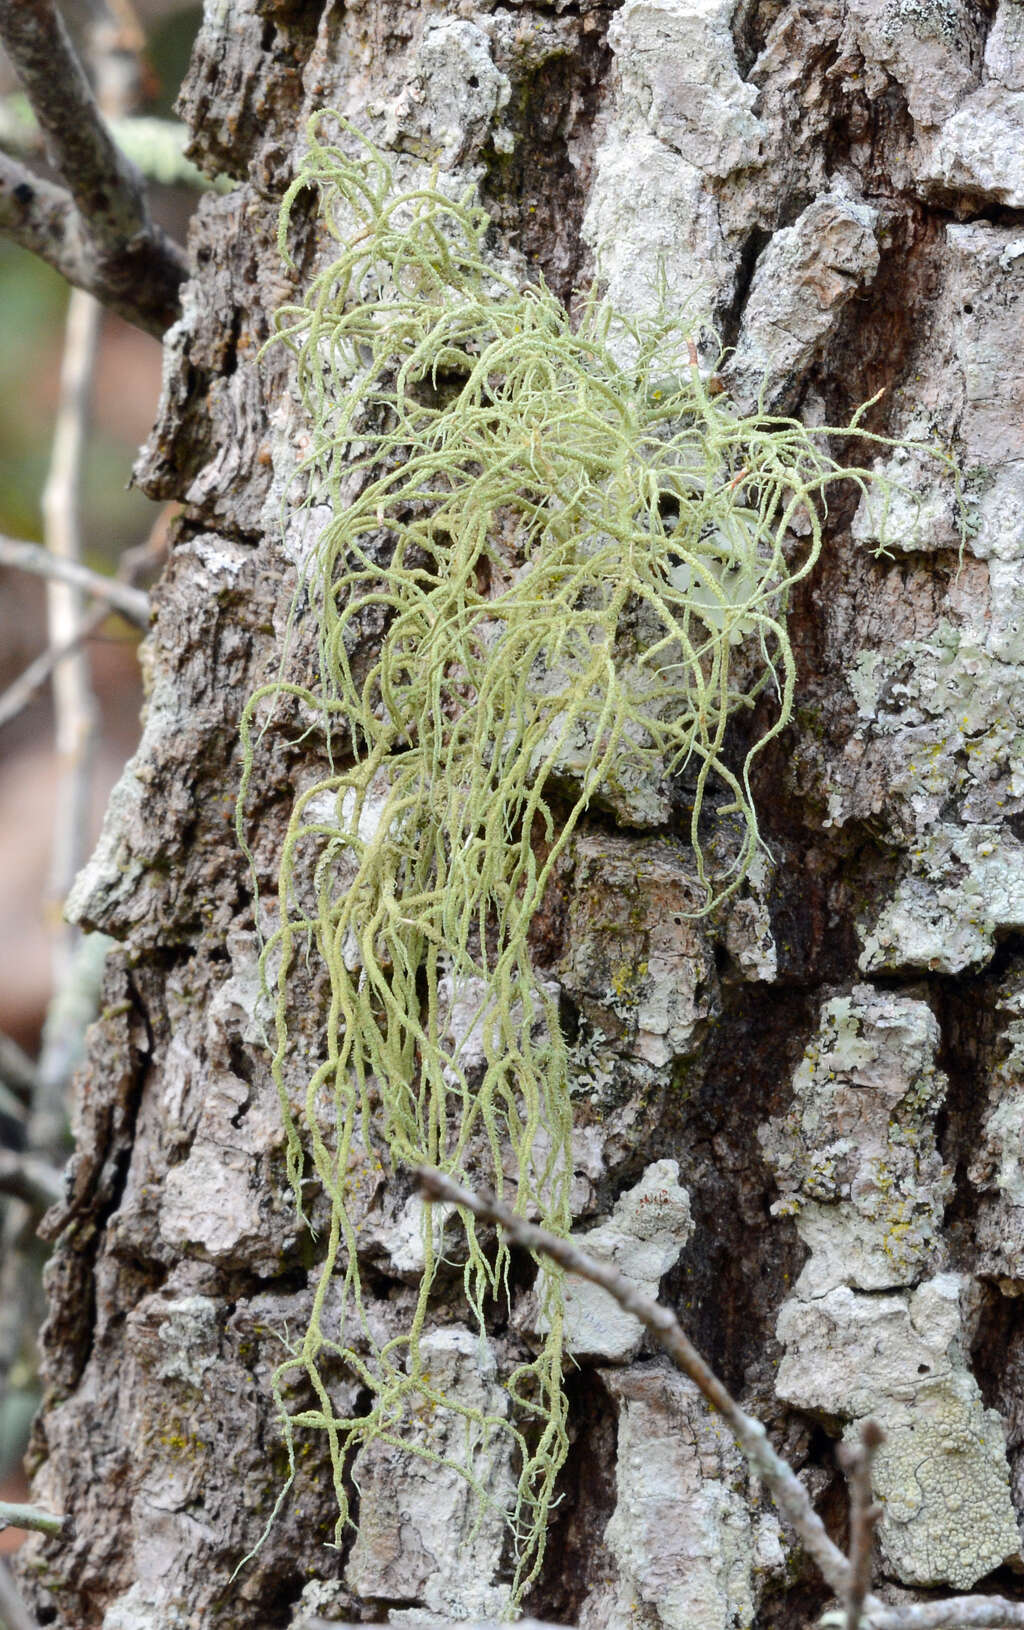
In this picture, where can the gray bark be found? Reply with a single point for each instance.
(836, 1067)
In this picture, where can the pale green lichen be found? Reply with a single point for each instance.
(567, 563)
(943, 1483)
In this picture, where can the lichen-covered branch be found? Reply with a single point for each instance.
(155, 146)
(141, 283)
(32, 1519)
(790, 1494)
(108, 191)
(122, 257)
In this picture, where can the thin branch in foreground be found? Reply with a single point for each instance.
(443, 1624)
(33, 1520)
(865, 1515)
(30, 557)
(955, 1613)
(789, 1493)
(13, 1612)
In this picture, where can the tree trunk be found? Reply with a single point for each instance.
(820, 1090)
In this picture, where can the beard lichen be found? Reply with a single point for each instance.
(577, 555)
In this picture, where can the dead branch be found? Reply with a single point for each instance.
(29, 557)
(33, 1520)
(789, 1493)
(856, 1460)
(100, 237)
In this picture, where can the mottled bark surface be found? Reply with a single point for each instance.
(836, 1067)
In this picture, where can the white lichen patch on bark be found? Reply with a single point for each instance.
(452, 96)
(855, 1158)
(944, 1485)
(978, 147)
(683, 117)
(683, 1535)
(965, 885)
(647, 1229)
(964, 387)
(639, 967)
(997, 1167)
(936, 756)
(803, 279)
(929, 47)
(421, 1533)
(857, 1163)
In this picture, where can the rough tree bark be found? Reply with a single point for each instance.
(833, 1073)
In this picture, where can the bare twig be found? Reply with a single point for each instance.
(856, 1460)
(32, 1520)
(847, 1578)
(16, 1068)
(13, 1612)
(21, 690)
(30, 1179)
(955, 1613)
(29, 557)
(135, 563)
(439, 1624)
(11, 1106)
(73, 701)
(789, 1493)
(17, 1080)
(108, 192)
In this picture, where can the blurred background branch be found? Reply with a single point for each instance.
(155, 146)
(123, 255)
(28, 557)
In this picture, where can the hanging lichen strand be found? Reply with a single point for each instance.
(513, 497)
